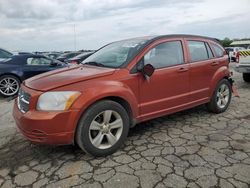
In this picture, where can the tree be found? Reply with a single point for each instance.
(226, 42)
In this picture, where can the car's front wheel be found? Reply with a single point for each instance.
(221, 97)
(103, 128)
(9, 85)
(246, 77)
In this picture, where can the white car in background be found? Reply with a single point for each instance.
(232, 52)
(242, 64)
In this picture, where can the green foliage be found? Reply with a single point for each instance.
(226, 42)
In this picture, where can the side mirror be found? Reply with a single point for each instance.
(148, 70)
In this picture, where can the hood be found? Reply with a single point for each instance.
(66, 76)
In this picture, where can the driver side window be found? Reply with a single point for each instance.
(165, 55)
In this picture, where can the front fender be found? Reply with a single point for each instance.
(222, 72)
(90, 95)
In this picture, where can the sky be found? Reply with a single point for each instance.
(56, 25)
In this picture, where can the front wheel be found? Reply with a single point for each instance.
(221, 97)
(246, 77)
(103, 128)
(9, 85)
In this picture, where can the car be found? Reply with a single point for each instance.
(20, 67)
(79, 58)
(232, 52)
(65, 56)
(52, 55)
(124, 83)
(242, 64)
(4, 54)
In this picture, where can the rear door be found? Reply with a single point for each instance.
(167, 89)
(203, 65)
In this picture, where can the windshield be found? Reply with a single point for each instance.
(5, 54)
(115, 54)
(82, 55)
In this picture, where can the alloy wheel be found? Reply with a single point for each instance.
(222, 96)
(105, 129)
(9, 86)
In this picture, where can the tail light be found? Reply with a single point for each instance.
(74, 62)
(237, 57)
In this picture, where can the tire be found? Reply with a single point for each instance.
(93, 127)
(246, 77)
(221, 98)
(9, 85)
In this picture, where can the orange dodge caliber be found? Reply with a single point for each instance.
(123, 83)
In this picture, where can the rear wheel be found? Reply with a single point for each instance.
(103, 128)
(9, 85)
(246, 77)
(221, 97)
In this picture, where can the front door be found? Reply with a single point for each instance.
(167, 89)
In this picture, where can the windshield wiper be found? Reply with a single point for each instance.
(95, 63)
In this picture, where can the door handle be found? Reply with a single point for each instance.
(182, 69)
(214, 63)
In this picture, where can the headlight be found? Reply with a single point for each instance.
(58, 100)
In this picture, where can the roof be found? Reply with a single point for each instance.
(155, 37)
(185, 35)
(240, 42)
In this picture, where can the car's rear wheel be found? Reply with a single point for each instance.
(246, 77)
(103, 128)
(221, 97)
(9, 85)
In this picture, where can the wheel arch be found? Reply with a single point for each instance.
(11, 74)
(120, 100)
(221, 73)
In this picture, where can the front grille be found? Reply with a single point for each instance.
(23, 101)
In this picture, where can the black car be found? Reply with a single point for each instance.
(20, 67)
(79, 58)
(64, 57)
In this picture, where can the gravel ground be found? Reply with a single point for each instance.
(193, 148)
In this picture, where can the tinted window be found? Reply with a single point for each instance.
(218, 50)
(209, 51)
(38, 61)
(165, 54)
(198, 51)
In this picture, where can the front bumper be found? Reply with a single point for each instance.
(46, 127)
(241, 68)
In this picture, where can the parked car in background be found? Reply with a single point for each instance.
(20, 67)
(123, 83)
(4, 54)
(53, 55)
(232, 52)
(79, 58)
(65, 56)
(243, 64)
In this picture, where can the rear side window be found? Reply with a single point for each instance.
(165, 54)
(198, 51)
(218, 50)
(38, 61)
